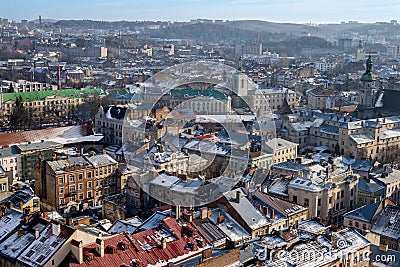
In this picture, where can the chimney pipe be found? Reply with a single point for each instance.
(238, 195)
(37, 233)
(177, 212)
(56, 229)
(272, 216)
(164, 243)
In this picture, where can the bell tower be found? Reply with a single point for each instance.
(367, 87)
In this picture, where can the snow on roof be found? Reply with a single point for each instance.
(362, 138)
(229, 226)
(387, 222)
(9, 222)
(250, 214)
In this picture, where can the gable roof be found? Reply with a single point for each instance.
(183, 241)
(365, 213)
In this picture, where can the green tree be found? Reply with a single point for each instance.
(19, 117)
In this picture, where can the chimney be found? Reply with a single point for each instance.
(265, 210)
(21, 205)
(20, 232)
(204, 213)
(221, 218)
(177, 212)
(56, 229)
(45, 214)
(70, 221)
(272, 216)
(164, 243)
(37, 233)
(238, 195)
(77, 250)
(100, 247)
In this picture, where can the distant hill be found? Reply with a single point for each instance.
(47, 21)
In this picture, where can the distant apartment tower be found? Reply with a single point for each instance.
(392, 52)
(345, 44)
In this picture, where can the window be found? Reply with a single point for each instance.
(80, 186)
(80, 196)
(72, 178)
(41, 258)
(337, 195)
(357, 224)
(306, 202)
(352, 192)
(60, 180)
(80, 177)
(89, 194)
(350, 223)
(61, 200)
(30, 253)
(342, 193)
(330, 200)
(72, 188)
(89, 175)
(295, 199)
(61, 190)
(364, 226)
(89, 184)
(319, 202)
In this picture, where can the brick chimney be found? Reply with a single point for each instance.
(164, 243)
(272, 216)
(221, 218)
(100, 247)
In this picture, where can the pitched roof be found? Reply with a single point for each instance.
(387, 223)
(183, 241)
(253, 218)
(365, 213)
(8, 139)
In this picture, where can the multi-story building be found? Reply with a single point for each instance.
(376, 139)
(322, 98)
(386, 227)
(30, 153)
(24, 86)
(9, 161)
(3, 180)
(47, 104)
(271, 99)
(328, 194)
(282, 149)
(361, 219)
(109, 122)
(75, 183)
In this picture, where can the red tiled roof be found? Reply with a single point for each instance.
(136, 244)
(38, 135)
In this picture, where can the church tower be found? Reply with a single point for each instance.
(367, 86)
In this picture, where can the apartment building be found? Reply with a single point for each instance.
(328, 193)
(75, 183)
(271, 99)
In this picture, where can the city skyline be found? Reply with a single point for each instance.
(303, 11)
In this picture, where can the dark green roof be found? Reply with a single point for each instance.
(41, 95)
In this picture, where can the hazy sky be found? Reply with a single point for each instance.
(182, 10)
